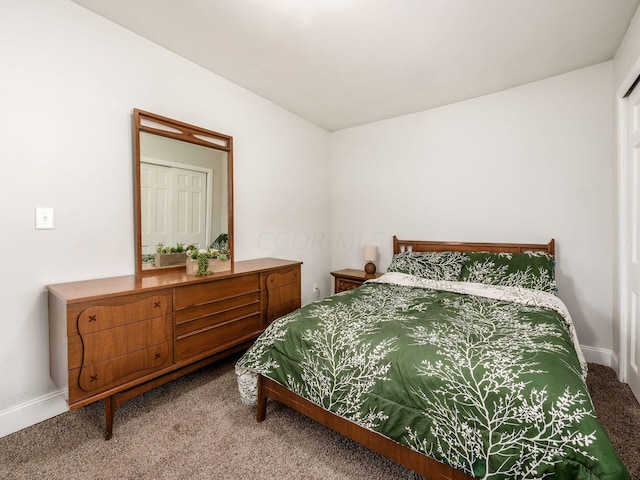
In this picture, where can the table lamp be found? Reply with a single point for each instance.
(370, 256)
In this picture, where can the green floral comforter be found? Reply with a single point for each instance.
(489, 380)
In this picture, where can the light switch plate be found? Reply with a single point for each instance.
(44, 218)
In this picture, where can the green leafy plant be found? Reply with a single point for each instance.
(202, 257)
(221, 242)
(203, 265)
(161, 248)
(221, 254)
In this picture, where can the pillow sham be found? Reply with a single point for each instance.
(534, 270)
(431, 265)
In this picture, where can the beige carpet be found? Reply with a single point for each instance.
(196, 428)
(619, 413)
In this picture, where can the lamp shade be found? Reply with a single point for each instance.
(370, 253)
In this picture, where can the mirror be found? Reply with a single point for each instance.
(183, 184)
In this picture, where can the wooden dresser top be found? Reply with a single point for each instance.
(87, 290)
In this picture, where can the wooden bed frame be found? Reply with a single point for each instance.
(419, 463)
(427, 246)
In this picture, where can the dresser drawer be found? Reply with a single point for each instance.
(283, 292)
(88, 317)
(282, 309)
(103, 317)
(217, 337)
(199, 318)
(194, 313)
(279, 279)
(116, 371)
(117, 342)
(342, 284)
(201, 293)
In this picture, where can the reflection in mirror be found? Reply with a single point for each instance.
(183, 190)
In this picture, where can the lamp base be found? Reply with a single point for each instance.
(370, 268)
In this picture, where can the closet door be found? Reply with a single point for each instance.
(155, 202)
(633, 242)
(173, 204)
(189, 207)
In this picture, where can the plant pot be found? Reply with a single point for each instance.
(192, 266)
(217, 265)
(169, 259)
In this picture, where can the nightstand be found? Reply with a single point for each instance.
(350, 278)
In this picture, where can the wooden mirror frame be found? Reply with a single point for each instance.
(169, 128)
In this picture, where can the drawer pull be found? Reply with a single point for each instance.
(93, 378)
(156, 304)
(92, 318)
(158, 355)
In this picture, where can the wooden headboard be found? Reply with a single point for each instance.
(428, 246)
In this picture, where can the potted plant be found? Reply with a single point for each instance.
(167, 256)
(219, 260)
(198, 261)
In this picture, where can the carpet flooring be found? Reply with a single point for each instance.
(196, 428)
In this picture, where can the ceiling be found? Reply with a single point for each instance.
(341, 63)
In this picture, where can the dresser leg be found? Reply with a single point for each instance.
(110, 410)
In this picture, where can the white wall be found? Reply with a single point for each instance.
(628, 53)
(69, 82)
(523, 165)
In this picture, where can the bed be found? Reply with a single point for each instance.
(460, 362)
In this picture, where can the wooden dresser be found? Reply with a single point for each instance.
(116, 338)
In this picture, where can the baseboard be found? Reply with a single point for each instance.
(34, 411)
(601, 356)
(615, 364)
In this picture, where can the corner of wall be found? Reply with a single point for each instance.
(601, 356)
(31, 412)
